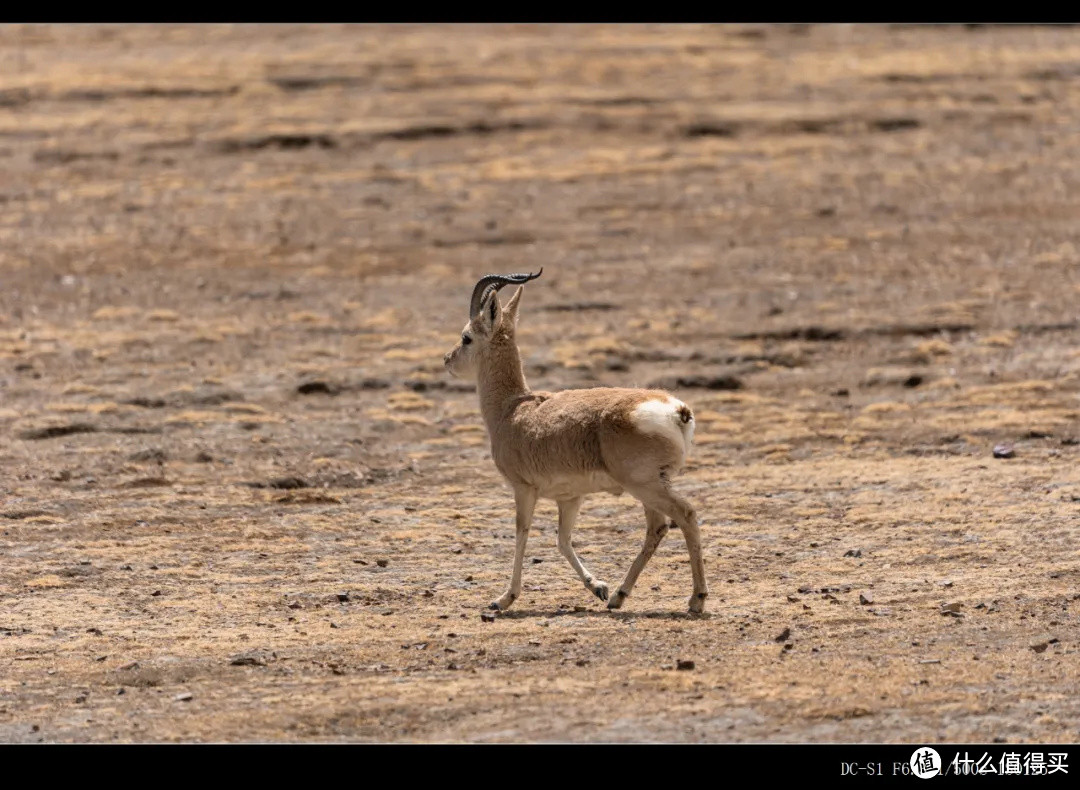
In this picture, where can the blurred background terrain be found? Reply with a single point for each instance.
(242, 501)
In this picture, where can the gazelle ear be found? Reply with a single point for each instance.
(488, 316)
(511, 308)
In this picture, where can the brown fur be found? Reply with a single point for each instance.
(566, 445)
(539, 434)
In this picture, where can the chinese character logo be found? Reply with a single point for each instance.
(1057, 763)
(925, 763)
(1010, 764)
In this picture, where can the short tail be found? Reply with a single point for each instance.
(685, 416)
(666, 416)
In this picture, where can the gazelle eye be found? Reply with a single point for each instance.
(465, 340)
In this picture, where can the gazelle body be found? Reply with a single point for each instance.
(567, 445)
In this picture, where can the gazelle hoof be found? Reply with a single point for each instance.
(502, 604)
(617, 600)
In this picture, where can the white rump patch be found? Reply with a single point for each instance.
(661, 416)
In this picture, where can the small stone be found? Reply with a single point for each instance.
(1004, 450)
(1040, 647)
(853, 553)
(186, 696)
(288, 482)
(130, 665)
(684, 664)
(382, 563)
(487, 617)
(783, 635)
(343, 597)
(322, 387)
(866, 598)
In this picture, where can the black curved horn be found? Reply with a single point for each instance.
(493, 282)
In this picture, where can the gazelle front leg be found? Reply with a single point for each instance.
(568, 511)
(656, 526)
(525, 499)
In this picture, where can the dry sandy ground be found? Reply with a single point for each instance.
(241, 500)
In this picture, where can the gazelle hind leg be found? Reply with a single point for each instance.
(568, 511)
(525, 499)
(660, 496)
(656, 527)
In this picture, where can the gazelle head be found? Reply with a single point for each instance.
(490, 324)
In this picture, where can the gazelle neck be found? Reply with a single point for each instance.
(501, 380)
